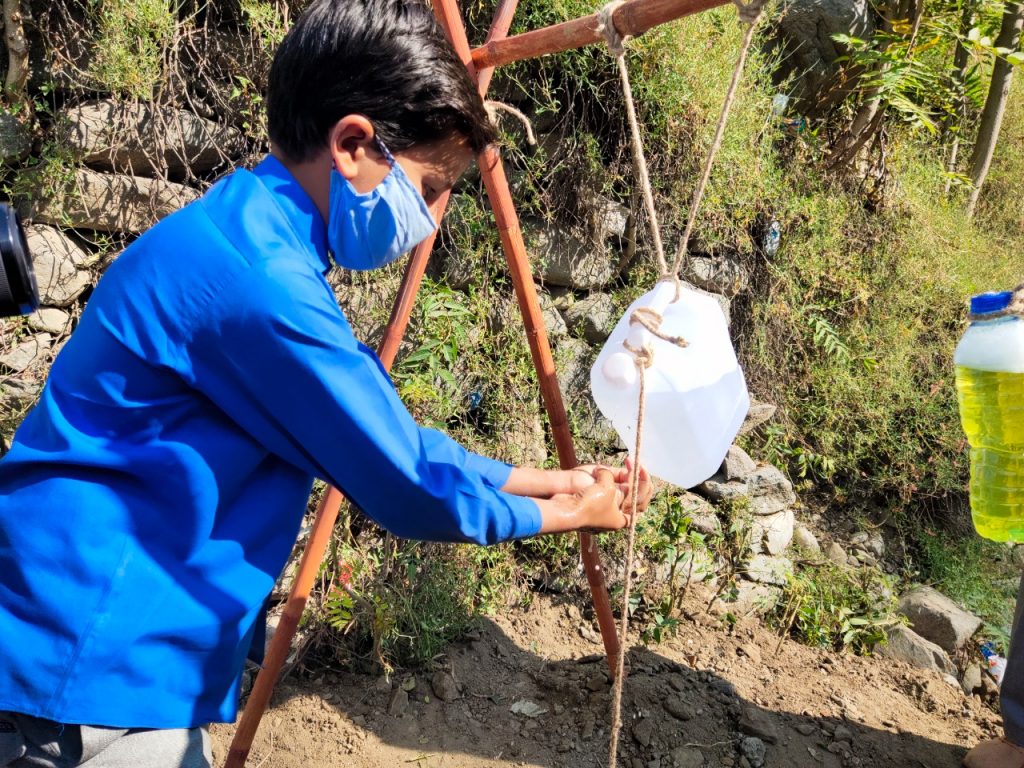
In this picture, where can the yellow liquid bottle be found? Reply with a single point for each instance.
(990, 389)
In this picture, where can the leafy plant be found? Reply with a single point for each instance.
(834, 607)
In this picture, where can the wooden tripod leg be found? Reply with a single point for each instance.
(529, 305)
(496, 183)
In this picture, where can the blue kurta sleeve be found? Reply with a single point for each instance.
(277, 356)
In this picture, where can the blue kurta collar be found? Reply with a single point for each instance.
(297, 206)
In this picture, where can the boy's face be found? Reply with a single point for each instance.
(432, 168)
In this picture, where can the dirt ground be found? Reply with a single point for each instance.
(688, 702)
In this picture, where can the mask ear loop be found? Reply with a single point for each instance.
(384, 150)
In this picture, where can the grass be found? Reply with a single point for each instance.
(131, 39)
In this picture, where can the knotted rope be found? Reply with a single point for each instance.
(749, 13)
(1014, 309)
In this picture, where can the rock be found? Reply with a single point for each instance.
(108, 202)
(807, 541)
(573, 358)
(754, 750)
(703, 517)
(721, 274)
(842, 733)
(49, 319)
(937, 618)
(751, 651)
(643, 732)
(769, 570)
(758, 414)
(971, 680)
(754, 599)
(737, 464)
(678, 708)
(805, 729)
(398, 703)
(560, 258)
(766, 489)
(772, 533)
(989, 688)
(444, 686)
(836, 554)
(26, 352)
(906, 645)
(592, 317)
(805, 35)
(687, 757)
(757, 722)
(610, 219)
(15, 139)
(55, 259)
(133, 138)
(554, 323)
(17, 394)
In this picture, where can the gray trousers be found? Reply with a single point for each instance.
(1011, 695)
(31, 742)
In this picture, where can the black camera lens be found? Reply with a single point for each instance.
(19, 293)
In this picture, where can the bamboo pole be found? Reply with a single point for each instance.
(630, 19)
(500, 25)
(496, 183)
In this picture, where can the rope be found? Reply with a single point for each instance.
(616, 44)
(491, 107)
(634, 486)
(749, 13)
(1014, 309)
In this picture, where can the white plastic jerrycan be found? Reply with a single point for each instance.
(696, 395)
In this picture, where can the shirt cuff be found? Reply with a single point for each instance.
(495, 473)
(526, 517)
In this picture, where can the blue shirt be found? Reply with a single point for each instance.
(150, 500)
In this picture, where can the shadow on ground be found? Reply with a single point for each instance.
(802, 708)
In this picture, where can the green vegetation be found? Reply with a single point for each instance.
(835, 607)
(132, 38)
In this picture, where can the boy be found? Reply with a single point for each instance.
(151, 498)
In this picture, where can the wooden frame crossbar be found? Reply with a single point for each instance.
(630, 19)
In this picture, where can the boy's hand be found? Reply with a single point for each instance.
(603, 504)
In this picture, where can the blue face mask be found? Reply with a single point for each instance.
(371, 230)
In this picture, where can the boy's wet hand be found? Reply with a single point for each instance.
(602, 502)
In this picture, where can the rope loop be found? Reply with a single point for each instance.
(749, 10)
(606, 26)
(491, 107)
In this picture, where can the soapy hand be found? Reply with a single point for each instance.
(605, 496)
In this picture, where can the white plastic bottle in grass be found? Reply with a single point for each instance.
(696, 395)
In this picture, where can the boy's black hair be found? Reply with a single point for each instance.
(386, 59)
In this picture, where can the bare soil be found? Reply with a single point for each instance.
(688, 701)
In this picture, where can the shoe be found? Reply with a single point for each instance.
(995, 753)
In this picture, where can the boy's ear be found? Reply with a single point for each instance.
(348, 142)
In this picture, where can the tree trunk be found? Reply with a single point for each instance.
(17, 49)
(961, 58)
(867, 120)
(995, 103)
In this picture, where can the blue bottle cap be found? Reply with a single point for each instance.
(990, 302)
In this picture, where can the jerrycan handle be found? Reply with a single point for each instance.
(619, 369)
